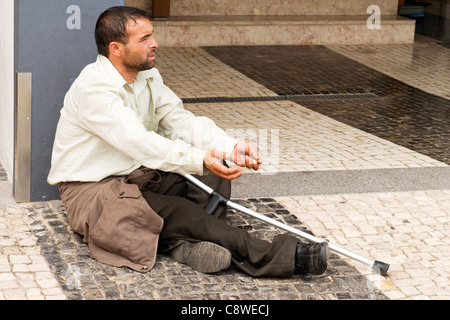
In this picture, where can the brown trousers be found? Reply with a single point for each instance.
(179, 205)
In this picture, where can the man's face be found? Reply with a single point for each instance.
(141, 47)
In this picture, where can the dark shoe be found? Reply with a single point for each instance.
(205, 257)
(311, 258)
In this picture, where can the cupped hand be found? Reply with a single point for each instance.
(213, 162)
(245, 155)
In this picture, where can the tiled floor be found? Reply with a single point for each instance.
(296, 136)
(202, 75)
(409, 230)
(402, 114)
(424, 65)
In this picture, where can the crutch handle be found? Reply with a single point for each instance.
(215, 200)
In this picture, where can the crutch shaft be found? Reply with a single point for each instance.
(300, 233)
(376, 265)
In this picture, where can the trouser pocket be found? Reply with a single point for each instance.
(127, 226)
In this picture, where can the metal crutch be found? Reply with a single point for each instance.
(218, 199)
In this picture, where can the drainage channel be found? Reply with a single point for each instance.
(281, 97)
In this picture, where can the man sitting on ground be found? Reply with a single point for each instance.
(123, 143)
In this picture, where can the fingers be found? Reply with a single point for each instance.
(214, 156)
(219, 154)
(227, 173)
(246, 161)
(245, 155)
(213, 161)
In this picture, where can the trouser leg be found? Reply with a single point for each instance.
(175, 185)
(187, 221)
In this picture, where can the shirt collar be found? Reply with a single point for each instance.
(140, 80)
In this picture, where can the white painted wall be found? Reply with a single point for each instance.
(7, 79)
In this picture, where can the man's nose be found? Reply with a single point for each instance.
(154, 43)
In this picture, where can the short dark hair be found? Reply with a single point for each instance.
(112, 26)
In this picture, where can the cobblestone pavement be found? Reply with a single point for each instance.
(83, 278)
(405, 226)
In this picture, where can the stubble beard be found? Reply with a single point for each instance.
(134, 63)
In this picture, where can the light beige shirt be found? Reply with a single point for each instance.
(107, 127)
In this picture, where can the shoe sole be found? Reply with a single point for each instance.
(324, 253)
(318, 260)
(205, 257)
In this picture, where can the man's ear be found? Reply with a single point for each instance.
(116, 49)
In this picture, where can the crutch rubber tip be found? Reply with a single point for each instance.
(380, 267)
